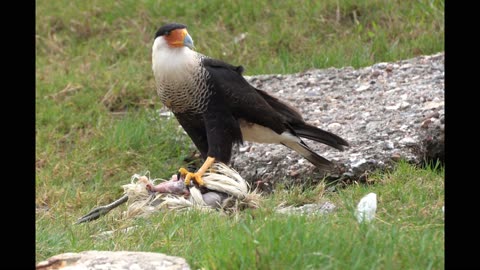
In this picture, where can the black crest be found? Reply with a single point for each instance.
(166, 29)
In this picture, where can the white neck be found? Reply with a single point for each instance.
(171, 62)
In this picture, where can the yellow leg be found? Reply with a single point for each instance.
(197, 177)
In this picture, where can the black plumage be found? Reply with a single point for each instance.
(224, 108)
(240, 100)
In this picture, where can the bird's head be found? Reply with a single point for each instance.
(174, 35)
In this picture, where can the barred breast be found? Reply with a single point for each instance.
(182, 87)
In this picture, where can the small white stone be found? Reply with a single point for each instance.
(432, 105)
(404, 105)
(363, 88)
(244, 148)
(389, 145)
(359, 162)
(381, 65)
(393, 107)
(407, 141)
(334, 127)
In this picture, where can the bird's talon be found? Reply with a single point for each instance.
(195, 177)
(188, 176)
(183, 171)
(199, 180)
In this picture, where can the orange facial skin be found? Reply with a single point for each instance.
(176, 37)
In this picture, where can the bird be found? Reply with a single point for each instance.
(219, 109)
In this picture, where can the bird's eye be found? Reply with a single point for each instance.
(167, 33)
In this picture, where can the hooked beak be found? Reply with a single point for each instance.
(188, 41)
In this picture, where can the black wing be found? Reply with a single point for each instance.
(239, 97)
(257, 106)
(301, 128)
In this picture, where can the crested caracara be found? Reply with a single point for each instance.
(218, 108)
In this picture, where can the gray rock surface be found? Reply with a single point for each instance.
(387, 112)
(113, 260)
(308, 209)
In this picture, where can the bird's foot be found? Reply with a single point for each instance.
(196, 177)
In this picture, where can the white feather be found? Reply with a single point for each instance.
(366, 208)
(172, 63)
(227, 180)
(220, 178)
(256, 133)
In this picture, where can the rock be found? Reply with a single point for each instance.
(113, 260)
(407, 141)
(381, 65)
(308, 209)
(433, 105)
(363, 88)
(396, 157)
(380, 110)
(432, 144)
(388, 145)
(334, 126)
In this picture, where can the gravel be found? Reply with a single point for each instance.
(387, 112)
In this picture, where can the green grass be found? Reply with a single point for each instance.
(408, 232)
(96, 127)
